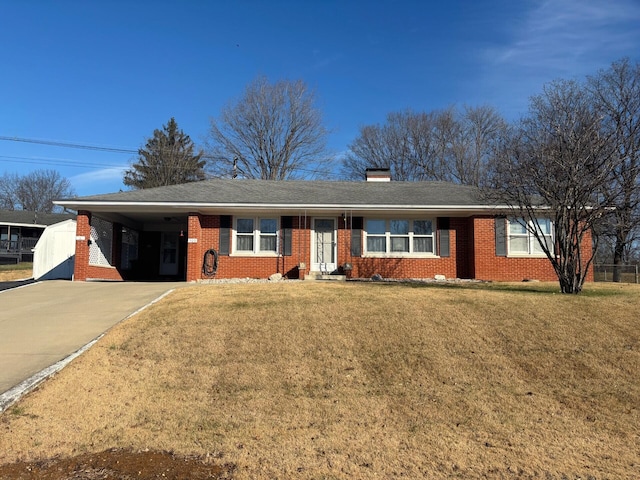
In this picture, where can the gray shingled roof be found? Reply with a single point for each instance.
(33, 218)
(265, 192)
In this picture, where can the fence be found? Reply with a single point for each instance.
(603, 272)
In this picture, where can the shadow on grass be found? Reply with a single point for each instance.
(534, 288)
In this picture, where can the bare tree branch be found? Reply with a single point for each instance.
(616, 95)
(554, 165)
(442, 145)
(274, 132)
(34, 191)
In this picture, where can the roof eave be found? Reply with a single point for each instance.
(19, 224)
(196, 206)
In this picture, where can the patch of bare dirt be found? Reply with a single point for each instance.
(118, 464)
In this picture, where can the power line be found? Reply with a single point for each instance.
(68, 145)
(82, 164)
(57, 162)
(71, 163)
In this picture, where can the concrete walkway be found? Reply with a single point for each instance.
(45, 322)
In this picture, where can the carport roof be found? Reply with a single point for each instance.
(292, 193)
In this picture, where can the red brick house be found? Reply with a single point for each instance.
(226, 228)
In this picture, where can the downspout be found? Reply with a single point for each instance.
(307, 256)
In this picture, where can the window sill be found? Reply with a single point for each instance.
(101, 266)
(526, 255)
(399, 255)
(255, 254)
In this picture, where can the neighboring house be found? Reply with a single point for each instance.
(54, 254)
(253, 228)
(20, 231)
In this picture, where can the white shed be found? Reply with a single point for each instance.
(54, 254)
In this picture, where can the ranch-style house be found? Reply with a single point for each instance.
(235, 228)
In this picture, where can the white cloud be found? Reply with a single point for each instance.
(563, 35)
(558, 39)
(99, 181)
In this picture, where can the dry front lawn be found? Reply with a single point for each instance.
(15, 272)
(358, 380)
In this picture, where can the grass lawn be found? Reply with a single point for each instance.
(358, 380)
(16, 271)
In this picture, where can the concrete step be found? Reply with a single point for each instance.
(325, 277)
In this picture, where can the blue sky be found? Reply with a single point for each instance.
(109, 73)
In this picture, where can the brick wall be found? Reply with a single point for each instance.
(83, 234)
(489, 266)
(472, 255)
(206, 228)
(453, 266)
(95, 272)
(365, 267)
(194, 250)
(471, 245)
(82, 269)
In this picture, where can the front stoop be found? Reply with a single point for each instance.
(324, 277)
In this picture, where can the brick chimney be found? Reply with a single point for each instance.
(378, 174)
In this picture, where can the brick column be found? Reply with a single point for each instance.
(83, 235)
(194, 253)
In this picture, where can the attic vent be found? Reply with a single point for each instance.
(378, 174)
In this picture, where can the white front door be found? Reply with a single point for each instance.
(169, 253)
(323, 248)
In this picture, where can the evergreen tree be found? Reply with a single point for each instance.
(167, 159)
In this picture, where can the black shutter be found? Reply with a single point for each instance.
(225, 235)
(501, 236)
(443, 234)
(286, 224)
(356, 236)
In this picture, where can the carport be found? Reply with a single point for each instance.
(133, 245)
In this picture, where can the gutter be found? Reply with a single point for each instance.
(271, 206)
(13, 224)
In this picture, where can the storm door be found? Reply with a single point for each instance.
(324, 245)
(169, 253)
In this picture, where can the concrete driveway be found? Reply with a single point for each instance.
(15, 283)
(45, 322)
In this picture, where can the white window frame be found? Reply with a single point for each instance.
(256, 234)
(533, 246)
(388, 236)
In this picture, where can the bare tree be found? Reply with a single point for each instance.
(274, 132)
(445, 145)
(168, 158)
(555, 165)
(406, 144)
(482, 128)
(34, 191)
(8, 184)
(616, 94)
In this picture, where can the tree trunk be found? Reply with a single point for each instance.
(618, 260)
(571, 279)
(570, 284)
